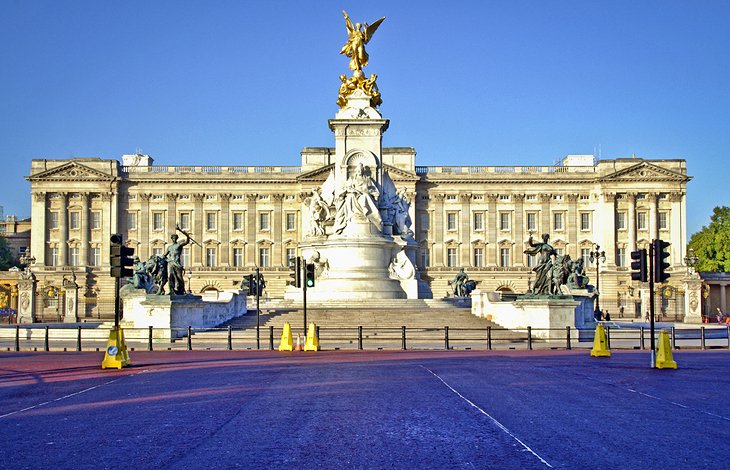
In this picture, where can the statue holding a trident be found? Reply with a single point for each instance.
(174, 261)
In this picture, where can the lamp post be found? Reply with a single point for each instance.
(691, 261)
(189, 275)
(597, 256)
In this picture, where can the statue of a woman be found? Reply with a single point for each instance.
(357, 36)
(357, 199)
(543, 269)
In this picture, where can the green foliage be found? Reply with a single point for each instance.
(7, 260)
(712, 244)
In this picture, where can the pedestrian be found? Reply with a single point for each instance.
(720, 316)
(648, 318)
(608, 316)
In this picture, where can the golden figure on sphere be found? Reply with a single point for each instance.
(357, 36)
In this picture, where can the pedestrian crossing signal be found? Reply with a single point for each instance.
(638, 266)
(309, 275)
(295, 264)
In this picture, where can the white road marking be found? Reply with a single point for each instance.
(678, 404)
(66, 396)
(497, 423)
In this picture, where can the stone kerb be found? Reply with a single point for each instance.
(547, 316)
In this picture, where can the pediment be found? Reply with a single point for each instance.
(400, 175)
(72, 171)
(645, 171)
(319, 174)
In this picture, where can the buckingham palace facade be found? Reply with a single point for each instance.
(476, 217)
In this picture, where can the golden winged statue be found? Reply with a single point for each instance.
(357, 36)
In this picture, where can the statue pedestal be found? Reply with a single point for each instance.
(693, 299)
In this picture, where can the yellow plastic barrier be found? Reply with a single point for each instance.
(286, 343)
(600, 345)
(116, 355)
(312, 343)
(664, 359)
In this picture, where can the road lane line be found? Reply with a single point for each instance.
(499, 425)
(678, 404)
(67, 396)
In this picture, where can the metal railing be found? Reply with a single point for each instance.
(90, 338)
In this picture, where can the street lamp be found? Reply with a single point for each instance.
(691, 261)
(597, 257)
(189, 275)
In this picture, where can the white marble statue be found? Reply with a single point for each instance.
(357, 200)
(319, 212)
(402, 220)
(401, 267)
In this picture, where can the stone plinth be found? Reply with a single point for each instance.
(693, 299)
(548, 316)
(170, 316)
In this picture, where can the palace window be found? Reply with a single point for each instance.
(557, 197)
(291, 254)
(585, 221)
(157, 221)
(95, 256)
(557, 221)
(425, 257)
(584, 197)
(663, 221)
(478, 257)
(530, 197)
(620, 257)
(451, 257)
(74, 220)
(621, 221)
(531, 261)
(478, 221)
(291, 221)
(95, 220)
(185, 256)
(157, 250)
(263, 221)
(185, 220)
(504, 260)
(451, 221)
(585, 254)
(210, 220)
(131, 221)
(425, 224)
(263, 257)
(73, 256)
(53, 256)
(53, 220)
(238, 221)
(532, 221)
(641, 221)
(451, 197)
(238, 257)
(210, 260)
(504, 197)
(504, 220)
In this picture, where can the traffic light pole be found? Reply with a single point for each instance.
(651, 303)
(117, 310)
(258, 310)
(304, 301)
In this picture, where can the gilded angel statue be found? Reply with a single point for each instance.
(357, 36)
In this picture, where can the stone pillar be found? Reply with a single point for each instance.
(438, 231)
(196, 252)
(631, 220)
(572, 226)
(144, 227)
(276, 248)
(518, 228)
(653, 219)
(693, 299)
(723, 297)
(71, 301)
(492, 231)
(545, 226)
(109, 201)
(63, 230)
(171, 199)
(85, 215)
(26, 299)
(225, 235)
(465, 235)
(39, 243)
(609, 230)
(677, 223)
(251, 230)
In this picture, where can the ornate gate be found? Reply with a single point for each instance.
(49, 305)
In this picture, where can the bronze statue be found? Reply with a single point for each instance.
(357, 36)
(174, 263)
(543, 270)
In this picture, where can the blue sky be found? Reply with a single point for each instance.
(479, 83)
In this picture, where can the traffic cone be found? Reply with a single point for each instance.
(600, 346)
(664, 358)
(299, 342)
(312, 343)
(286, 341)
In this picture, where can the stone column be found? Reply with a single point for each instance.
(26, 299)
(225, 233)
(545, 225)
(63, 230)
(492, 231)
(692, 299)
(677, 224)
(71, 301)
(653, 219)
(438, 231)
(39, 244)
(85, 215)
(276, 248)
(144, 227)
(609, 230)
(251, 230)
(631, 220)
(572, 226)
(171, 199)
(108, 200)
(196, 252)
(465, 235)
(518, 228)
(723, 297)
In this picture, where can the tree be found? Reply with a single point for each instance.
(712, 244)
(7, 260)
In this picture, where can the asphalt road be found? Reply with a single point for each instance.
(377, 409)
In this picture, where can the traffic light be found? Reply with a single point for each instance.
(638, 266)
(250, 283)
(309, 275)
(120, 257)
(660, 266)
(295, 264)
